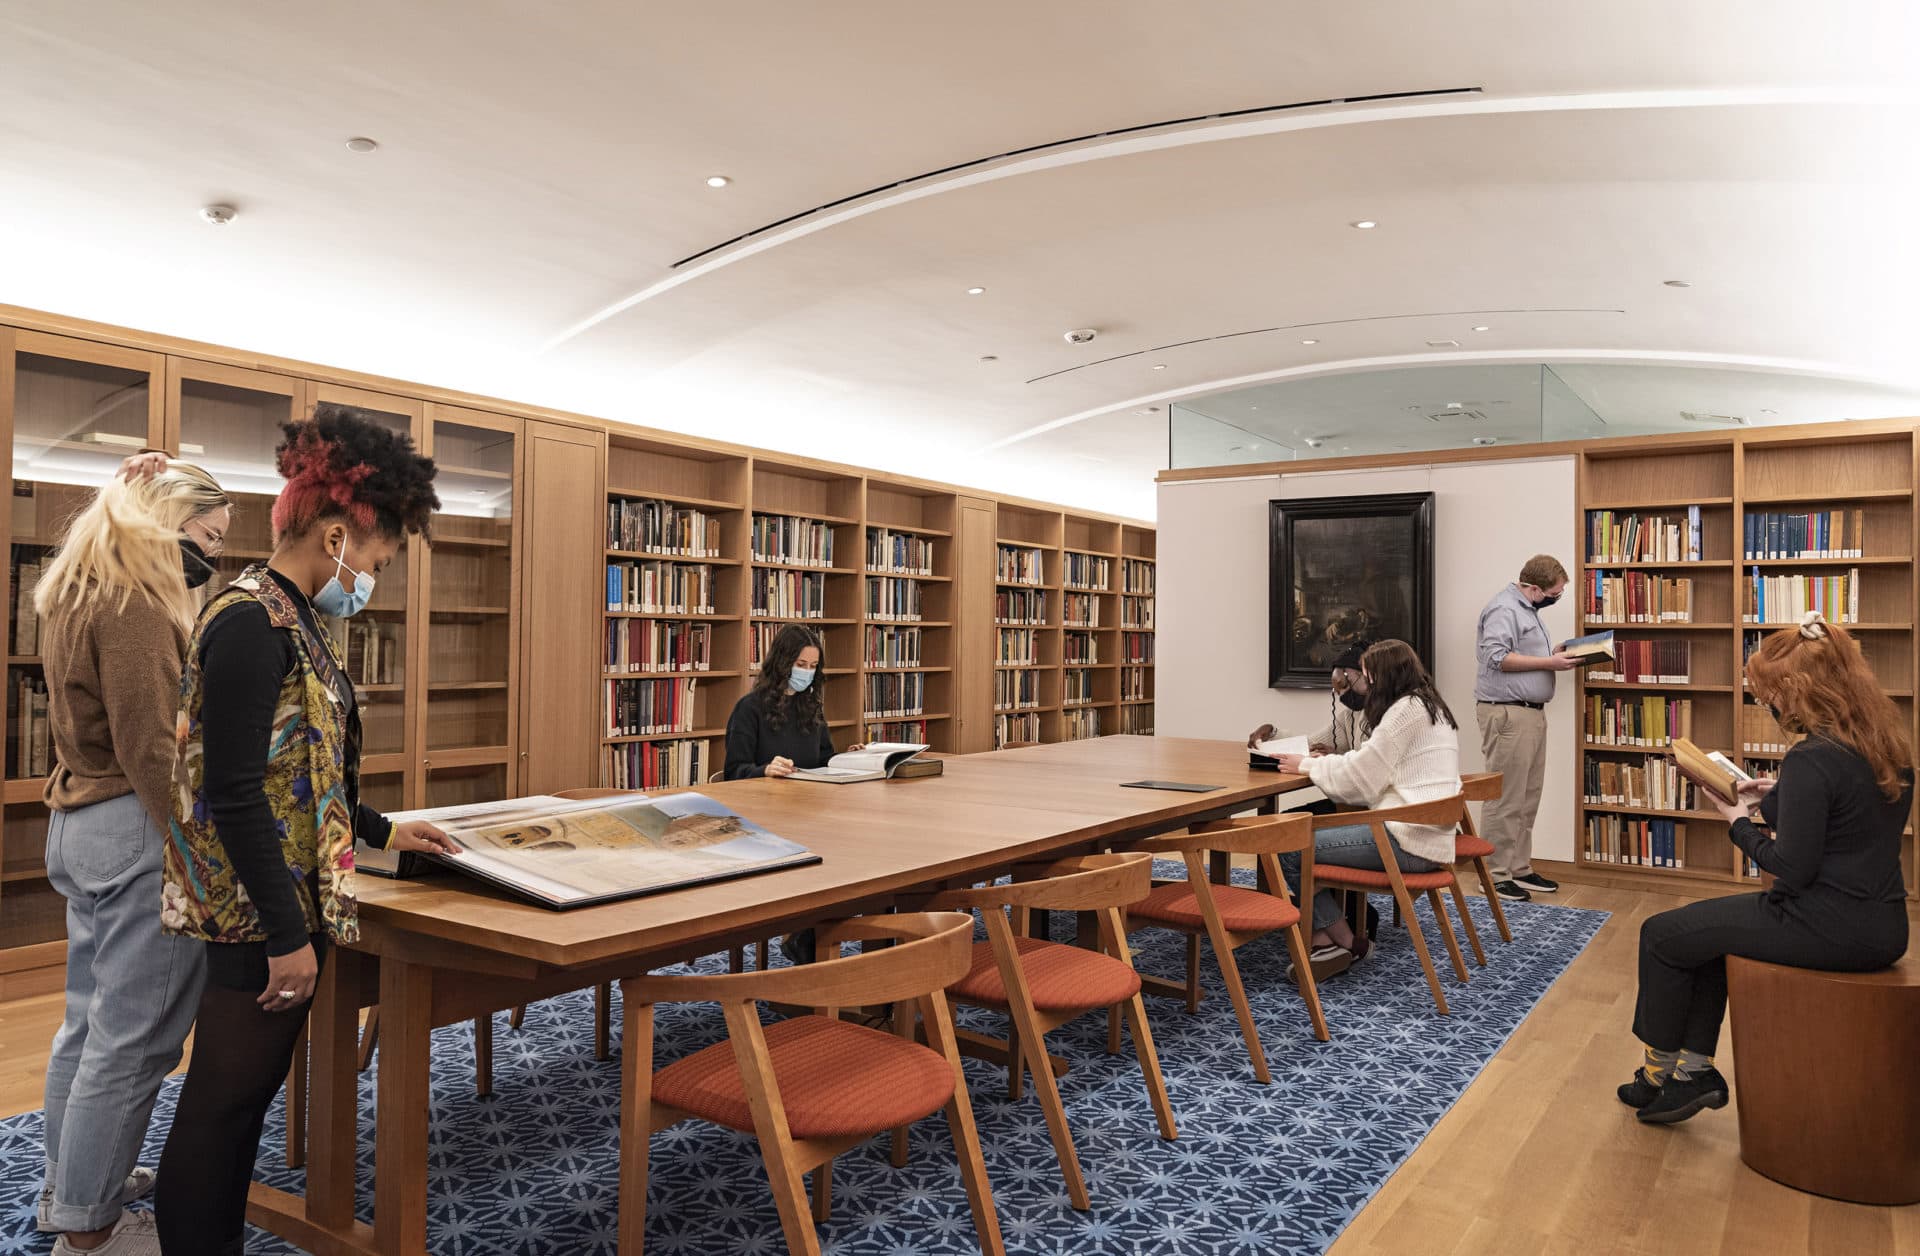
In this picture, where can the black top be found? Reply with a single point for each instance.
(1833, 829)
(753, 742)
(244, 661)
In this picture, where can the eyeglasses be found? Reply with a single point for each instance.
(214, 543)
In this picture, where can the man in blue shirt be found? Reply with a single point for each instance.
(1511, 691)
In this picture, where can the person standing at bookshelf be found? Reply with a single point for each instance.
(117, 601)
(1510, 695)
(1838, 902)
(266, 810)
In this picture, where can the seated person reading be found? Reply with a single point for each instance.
(1346, 725)
(782, 722)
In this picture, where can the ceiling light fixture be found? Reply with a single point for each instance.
(974, 292)
(1453, 405)
(361, 144)
(217, 215)
(1309, 342)
(1486, 440)
(989, 357)
(1676, 283)
(1365, 224)
(1483, 327)
(1159, 366)
(718, 180)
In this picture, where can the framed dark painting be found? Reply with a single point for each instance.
(1346, 569)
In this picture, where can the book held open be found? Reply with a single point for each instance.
(1709, 769)
(873, 762)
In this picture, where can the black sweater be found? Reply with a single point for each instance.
(244, 661)
(1834, 831)
(753, 742)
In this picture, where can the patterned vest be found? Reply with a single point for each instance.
(308, 788)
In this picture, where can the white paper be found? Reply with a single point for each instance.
(1283, 745)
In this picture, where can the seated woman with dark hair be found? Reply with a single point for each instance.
(781, 724)
(1838, 900)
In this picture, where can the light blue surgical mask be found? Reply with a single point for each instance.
(799, 678)
(333, 599)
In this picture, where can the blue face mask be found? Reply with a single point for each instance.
(333, 598)
(799, 678)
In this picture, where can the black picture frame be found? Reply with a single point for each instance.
(1344, 568)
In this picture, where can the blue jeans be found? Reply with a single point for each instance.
(131, 995)
(1350, 846)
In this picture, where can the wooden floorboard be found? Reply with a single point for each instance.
(1537, 1159)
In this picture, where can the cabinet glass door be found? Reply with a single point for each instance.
(228, 422)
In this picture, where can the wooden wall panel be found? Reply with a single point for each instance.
(564, 572)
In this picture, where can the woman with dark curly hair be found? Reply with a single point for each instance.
(782, 723)
(266, 808)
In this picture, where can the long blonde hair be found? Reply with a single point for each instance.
(126, 542)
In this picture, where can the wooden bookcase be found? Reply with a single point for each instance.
(1138, 557)
(1027, 658)
(1725, 481)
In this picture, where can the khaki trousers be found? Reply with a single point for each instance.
(1514, 740)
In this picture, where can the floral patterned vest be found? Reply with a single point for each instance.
(308, 788)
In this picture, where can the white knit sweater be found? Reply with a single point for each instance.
(1408, 758)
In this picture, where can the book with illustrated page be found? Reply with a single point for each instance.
(1262, 753)
(1590, 651)
(565, 852)
(876, 761)
(1709, 769)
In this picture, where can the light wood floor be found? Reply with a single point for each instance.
(1537, 1159)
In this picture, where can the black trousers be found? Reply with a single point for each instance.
(1683, 955)
(241, 1054)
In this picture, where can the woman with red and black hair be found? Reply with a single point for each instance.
(266, 809)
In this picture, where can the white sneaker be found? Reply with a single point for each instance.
(139, 1185)
(133, 1235)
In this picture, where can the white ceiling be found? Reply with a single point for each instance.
(538, 171)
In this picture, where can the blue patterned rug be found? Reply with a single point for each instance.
(1256, 1169)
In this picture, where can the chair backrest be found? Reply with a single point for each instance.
(1439, 813)
(1017, 745)
(1480, 786)
(1081, 883)
(1261, 835)
(931, 951)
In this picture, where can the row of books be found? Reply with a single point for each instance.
(1639, 720)
(1136, 576)
(789, 594)
(895, 694)
(657, 764)
(654, 588)
(26, 621)
(1630, 537)
(1133, 684)
(1137, 720)
(1821, 534)
(1085, 571)
(1760, 733)
(892, 647)
(792, 539)
(1080, 725)
(1019, 606)
(1077, 685)
(1017, 646)
(1015, 728)
(1013, 564)
(1136, 612)
(1784, 599)
(1077, 610)
(658, 527)
(33, 736)
(1654, 783)
(1648, 663)
(1636, 597)
(894, 598)
(1136, 647)
(376, 652)
(911, 732)
(639, 708)
(1633, 840)
(659, 645)
(901, 552)
(1079, 647)
(1014, 690)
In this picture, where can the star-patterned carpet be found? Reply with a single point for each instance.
(1263, 1170)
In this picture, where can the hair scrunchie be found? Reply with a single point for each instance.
(1813, 626)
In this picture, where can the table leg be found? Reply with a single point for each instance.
(1220, 867)
(403, 1105)
(333, 1127)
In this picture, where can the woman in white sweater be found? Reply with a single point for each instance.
(1412, 755)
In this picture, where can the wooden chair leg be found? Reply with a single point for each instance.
(1193, 973)
(603, 1021)
(966, 1137)
(1113, 1028)
(903, 1025)
(823, 1192)
(1466, 922)
(1303, 977)
(1230, 975)
(1493, 899)
(1015, 1065)
(1419, 937)
(483, 1055)
(1439, 907)
(369, 1037)
(517, 1016)
(1149, 1058)
(770, 1126)
(297, 1104)
(1026, 1023)
(736, 959)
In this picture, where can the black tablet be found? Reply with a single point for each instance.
(1185, 787)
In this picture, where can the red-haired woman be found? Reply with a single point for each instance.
(267, 807)
(1838, 899)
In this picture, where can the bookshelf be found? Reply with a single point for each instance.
(1741, 506)
(1027, 661)
(907, 660)
(1138, 556)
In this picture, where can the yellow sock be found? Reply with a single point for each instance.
(1660, 1065)
(1691, 1063)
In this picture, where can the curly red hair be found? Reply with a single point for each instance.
(344, 464)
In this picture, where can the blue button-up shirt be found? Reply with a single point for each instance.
(1511, 625)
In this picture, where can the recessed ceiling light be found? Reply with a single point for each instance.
(1159, 366)
(1483, 327)
(1764, 410)
(1365, 224)
(1309, 342)
(1676, 283)
(989, 357)
(974, 292)
(1443, 344)
(1453, 405)
(718, 180)
(361, 144)
(1486, 440)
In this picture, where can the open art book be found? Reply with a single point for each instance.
(875, 762)
(1709, 769)
(567, 852)
(1262, 753)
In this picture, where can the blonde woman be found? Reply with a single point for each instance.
(117, 605)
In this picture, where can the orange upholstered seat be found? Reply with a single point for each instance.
(1334, 874)
(896, 1081)
(1060, 978)
(1241, 910)
(1467, 846)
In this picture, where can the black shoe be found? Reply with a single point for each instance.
(798, 947)
(1511, 891)
(1535, 882)
(1373, 921)
(1681, 1097)
(1639, 1092)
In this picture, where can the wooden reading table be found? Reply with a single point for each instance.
(447, 949)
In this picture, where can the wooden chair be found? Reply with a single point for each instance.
(814, 1086)
(1042, 985)
(1230, 916)
(1443, 812)
(1470, 848)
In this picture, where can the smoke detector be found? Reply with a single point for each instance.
(1486, 440)
(1081, 336)
(1314, 442)
(217, 215)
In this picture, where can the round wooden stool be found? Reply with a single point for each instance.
(1824, 1078)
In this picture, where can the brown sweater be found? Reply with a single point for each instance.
(113, 688)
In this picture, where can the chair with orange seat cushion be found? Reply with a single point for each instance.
(1470, 847)
(1230, 916)
(812, 1086)
(1042, 985)
(1443, 812)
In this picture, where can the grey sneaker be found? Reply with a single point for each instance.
(139, 1185)
(133, 1235)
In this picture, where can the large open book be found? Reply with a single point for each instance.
(1591, 650)
(566, 852)
(1709, 769)
(873, 762)
(1261, 754)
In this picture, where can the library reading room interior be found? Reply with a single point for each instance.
(1113, 628)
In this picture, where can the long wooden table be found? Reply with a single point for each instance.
(446, 949)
